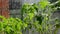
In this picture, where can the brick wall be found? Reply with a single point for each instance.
(4, 5)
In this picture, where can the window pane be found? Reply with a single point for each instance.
(13, 4)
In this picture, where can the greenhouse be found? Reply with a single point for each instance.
(29, 16)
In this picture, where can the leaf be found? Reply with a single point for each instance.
(43, 4)
(31, 15)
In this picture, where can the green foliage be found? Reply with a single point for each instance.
(12, 25)
(43, 3)
(36, 15)
(39, 16)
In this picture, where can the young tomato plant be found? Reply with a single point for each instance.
(38, 16)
